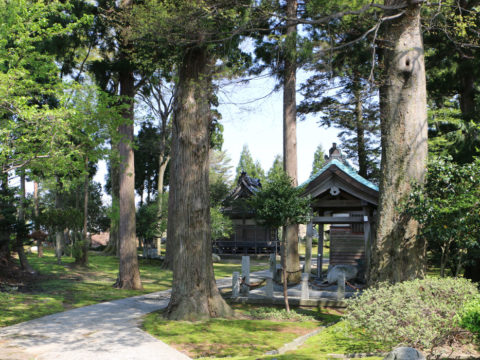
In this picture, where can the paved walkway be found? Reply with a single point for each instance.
(105, 331)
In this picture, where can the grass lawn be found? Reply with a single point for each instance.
(63, 287)
(249, 338)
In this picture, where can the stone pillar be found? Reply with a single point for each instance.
(305, 291)
(308, 248)
(245, 287)
(269, 286)
(273, 265)
(246, 269)
(235, 285)
(341, 286)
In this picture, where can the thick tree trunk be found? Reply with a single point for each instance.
(37, 213)
(20, 235)
(113, 247)
(162, 166)
(129, 274)
(290, 136)
(83, 259)
(397, 253)
(360, 129)
(284, 270)
(194, 291)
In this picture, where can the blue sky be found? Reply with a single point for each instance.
(252, 115)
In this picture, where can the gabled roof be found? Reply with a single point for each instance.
(246, 187)
(338, 176)
(347, 169)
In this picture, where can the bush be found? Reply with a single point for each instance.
(418, 313)
(469, 317)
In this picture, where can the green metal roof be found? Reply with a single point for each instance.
(347, 169)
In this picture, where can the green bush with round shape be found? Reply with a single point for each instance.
(417, 313)
(470, 316)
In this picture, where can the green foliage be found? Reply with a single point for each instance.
(448, 210)
(470, 316)
(277, 167)
(146, 153)
(414, 313)
(221, 225)
(318, 160)
(279, 203)
(149, 226)
(246, 163)
(34, 101)
(219, 176)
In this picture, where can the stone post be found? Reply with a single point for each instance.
(235, 285)
(246, 269)
(341, 286)
(245, 287)
(269, 286)
(305, 291)
(273, 265)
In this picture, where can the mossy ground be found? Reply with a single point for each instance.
(249, 338)
(65, 286)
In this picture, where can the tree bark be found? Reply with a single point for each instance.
(5, 230)
(129, 274)
(37, 213)
(284, 271)
(113, 247)
(83, 259)
(194, 291)
(397, 253)
(21, 220)
(360, 129)
(290, 136)
(162, 166)
(59, 240)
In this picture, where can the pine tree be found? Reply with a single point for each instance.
(318, 160)
(247, 164)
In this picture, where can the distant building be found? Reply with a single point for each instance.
(248, 237)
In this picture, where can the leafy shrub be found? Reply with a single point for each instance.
(470, 316)
(266, 313)
(416, 313)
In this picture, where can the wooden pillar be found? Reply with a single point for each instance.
(308, 248)
(320, 250)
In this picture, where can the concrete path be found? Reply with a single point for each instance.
(106, 331)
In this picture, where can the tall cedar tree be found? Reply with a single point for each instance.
(195, 32)
(290, 133)
(397, 253)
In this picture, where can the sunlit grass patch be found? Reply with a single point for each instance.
(65, 286)
(337, 339)
(227, 337)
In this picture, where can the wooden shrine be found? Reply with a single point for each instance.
(248, 236)
(348, 203)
